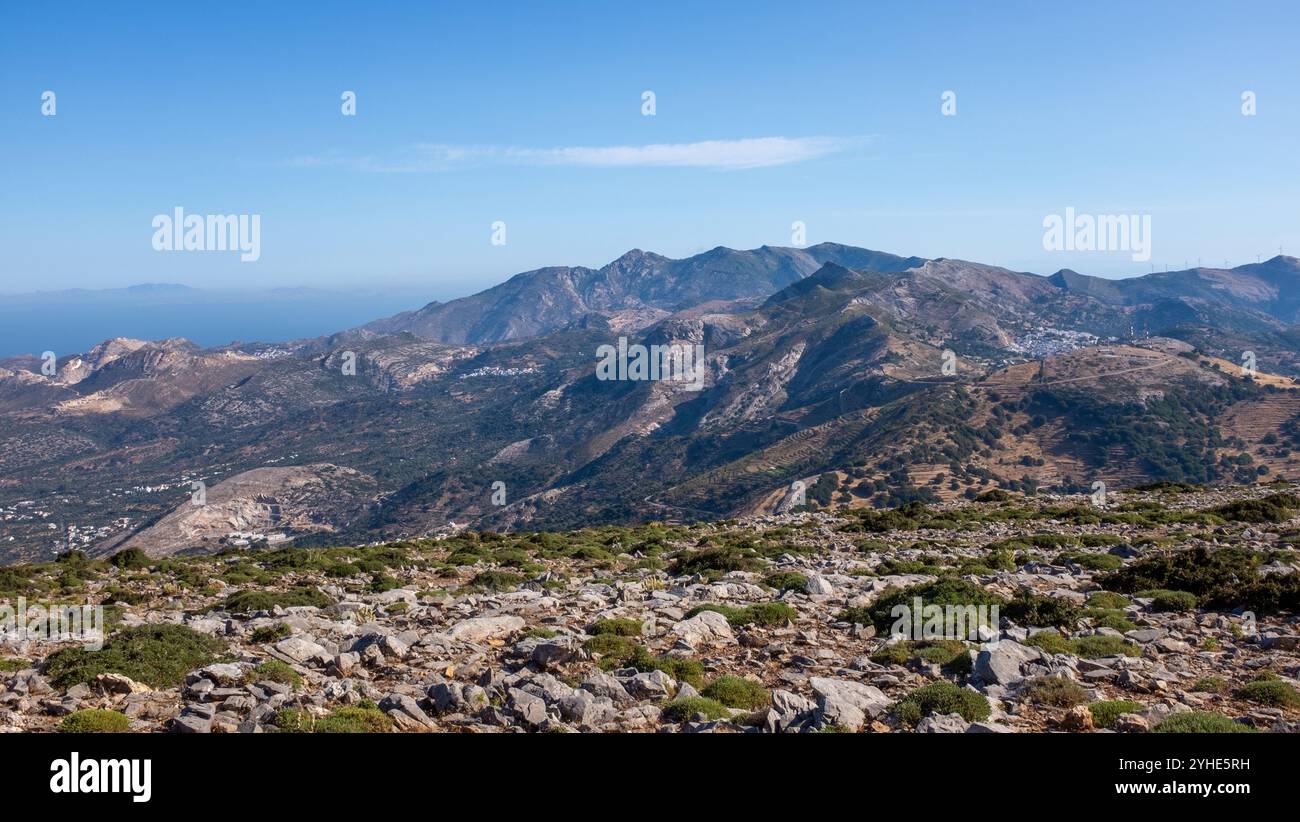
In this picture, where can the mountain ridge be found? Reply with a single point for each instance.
(534, 302)
(918, 380)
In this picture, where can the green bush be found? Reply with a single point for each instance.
(270, 633)
(1112, 618)
(1035, 611)
(130, 558)
(953, 655)
(942, 698)
(273, 670)
(738, 692)
(357, 719)
(157, 655)
(1198, 570)
(942, 592)
(1093, 562)
(714, 562)
(690, 671)
(16, 581)
(687, 708)
(246, 602)
(621, 627)
(1051, 642)
(768, 613)
(1223, 578)
(495, 581)
(1100, 645)
(1170, 600)
(1108, 600)
(762, 613)
(1211, 685)
(786, 581)
(893, 567)
(95, 721)
(1201, 722)
(338, 570)
(615, 651)
(1056, 691)
(1272, 508)
(1105, 713)
(903, 518)
(1272, 692)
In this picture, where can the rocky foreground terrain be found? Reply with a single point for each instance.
(1173, 608)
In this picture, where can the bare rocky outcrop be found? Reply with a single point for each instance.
(265, 505)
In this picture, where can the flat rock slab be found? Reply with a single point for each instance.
(481, 629)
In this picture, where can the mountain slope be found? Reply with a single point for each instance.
(896, 380)
(541, 301)
(1271, 288)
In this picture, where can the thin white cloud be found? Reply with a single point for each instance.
(758, 152)
(754, 152)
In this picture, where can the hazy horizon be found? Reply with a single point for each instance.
(447, 290)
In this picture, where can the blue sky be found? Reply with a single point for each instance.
(472, 113)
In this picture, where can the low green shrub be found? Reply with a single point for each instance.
(621, 627)
(713, 562)
(738, 692)
(95, 721)
(157, 655)
(270, 633)
(615, 651)
(130, 558)
(942, 698)
(1272, 508)
(1212, 685)
(952, 655)
(1108, 600)
(355, 719)
(1051, 642)
(944, 592)
(1112, 618)
(1163, 600)
(1270, 691)
(1036, 611)
(690, 671)
(1093, 562)
(1056, 691)
(687, 709)
(1105, 713)
(1201, 722)
(273, 670)
(1221, 578)
(786, 581)
(1100, 645)
(495, 581)
(761, 613)
(246, 602)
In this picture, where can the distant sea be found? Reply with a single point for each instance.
(73, 321)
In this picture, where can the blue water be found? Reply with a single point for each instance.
(74, 321)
